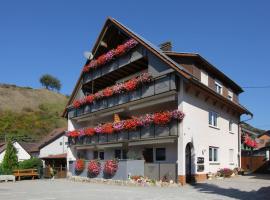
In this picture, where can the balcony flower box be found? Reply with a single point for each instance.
(112, 101)
(122, 135)
(123, 98)
(80, 111)
(96, 73)
(112, 137)
(134, 134)
(148, 90)
(148, 131)
(162, 130)
(124, 60)
(94, 139)
(87, 109)
(87, 140)
(136, 94)
(103, 138)
(109, 67)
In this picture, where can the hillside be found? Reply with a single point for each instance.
(29, 113)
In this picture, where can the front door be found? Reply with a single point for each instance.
(188, 163)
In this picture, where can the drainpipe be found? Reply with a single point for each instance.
(239, 137)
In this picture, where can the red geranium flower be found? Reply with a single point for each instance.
(79, 165)
(131, 84)
(101, 60)
(86, 68)
(90, 98)
(131, 124)
(89, 131)
(76, 104)
(110, 167)
(74, 133)
(162, 118)
(94, 167)
(107, 92)
(107, 128)
(120, 50)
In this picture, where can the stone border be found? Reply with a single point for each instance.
(121, 182)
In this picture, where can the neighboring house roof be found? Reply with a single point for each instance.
(55, 134)
(265, 133)
(162, 55)
(26, 146)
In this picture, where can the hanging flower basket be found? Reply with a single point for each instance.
(79, 166)
(110, 168)
(94, 168)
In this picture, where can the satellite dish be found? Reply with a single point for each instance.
(88, 55)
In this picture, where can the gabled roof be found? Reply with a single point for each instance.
(55, 134)
(152, 48)
(26, 146)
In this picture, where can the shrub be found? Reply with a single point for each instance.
(10, 160)
(30, 163)
(226, 172)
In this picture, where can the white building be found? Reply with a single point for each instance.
(23, 151)
(206, 140)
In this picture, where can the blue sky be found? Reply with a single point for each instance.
(38, 37)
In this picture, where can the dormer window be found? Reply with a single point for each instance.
(218, 87)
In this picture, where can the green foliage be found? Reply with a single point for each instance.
(30, 164)
(32, 125)
(10, 160)
(50, 82)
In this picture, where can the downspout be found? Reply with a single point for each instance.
(239, 137)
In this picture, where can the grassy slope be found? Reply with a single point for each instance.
(30, 113)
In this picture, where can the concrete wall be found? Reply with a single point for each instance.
(54, 147)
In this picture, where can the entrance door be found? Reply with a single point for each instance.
(148, 155)
(188, 163)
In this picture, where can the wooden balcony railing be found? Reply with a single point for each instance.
(122, 61)
(159, 85)
(149, 132)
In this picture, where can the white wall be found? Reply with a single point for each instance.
(54, 147)
(195, 129)
(21, 153)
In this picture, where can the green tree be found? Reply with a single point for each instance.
(50, 82)
(10, 160)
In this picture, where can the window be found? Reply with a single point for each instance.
(160, 154)
(66, 143)
(213, 116)
(61, 143)
(120, 154)
(98, 155)
(230, 95)
(218, 87)
(204, 77)
(213, 154)
(231, 151)
(231, 126)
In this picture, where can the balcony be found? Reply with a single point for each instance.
(134, 55)
(140, 134)
(159, 85)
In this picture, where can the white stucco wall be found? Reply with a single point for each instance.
(195, 129)
(21, 153)
(54, 147)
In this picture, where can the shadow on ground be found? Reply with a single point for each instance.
(262, 193)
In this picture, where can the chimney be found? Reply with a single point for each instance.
(166, 46)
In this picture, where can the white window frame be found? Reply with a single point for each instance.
(213, 119)
(218, 85)
(213, 150)
(204, 77)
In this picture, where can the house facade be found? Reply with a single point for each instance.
(175, 112)
(23, 153)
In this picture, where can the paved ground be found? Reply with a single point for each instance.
(247, 187)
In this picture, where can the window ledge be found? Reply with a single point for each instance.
(215, 127)
(231, 163)
(214, 163)
(231, 132)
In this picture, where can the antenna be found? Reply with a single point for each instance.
(88, 55)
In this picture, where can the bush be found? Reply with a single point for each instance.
(10, 160)
(225, 172)
(5, 171)
(30, 164)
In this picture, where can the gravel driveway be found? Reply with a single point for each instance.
(246, 187)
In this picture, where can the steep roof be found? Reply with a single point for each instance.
(156, 51)
(53, 135)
